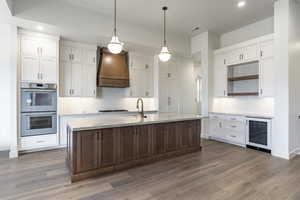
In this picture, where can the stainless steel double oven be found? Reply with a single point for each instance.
(38, 109)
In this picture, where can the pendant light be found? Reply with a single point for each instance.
(115, 46)
(164, 55)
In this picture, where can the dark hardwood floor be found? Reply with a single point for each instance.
(220, 171)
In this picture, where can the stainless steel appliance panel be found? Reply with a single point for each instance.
(33, 124)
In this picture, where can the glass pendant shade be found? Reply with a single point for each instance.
(164, 55)
(115, 46)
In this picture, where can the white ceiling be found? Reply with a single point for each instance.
(139, 21)
(219, 16)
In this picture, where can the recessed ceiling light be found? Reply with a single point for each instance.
(241, 4)
(40, 28)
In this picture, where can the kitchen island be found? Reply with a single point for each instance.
(97, 146)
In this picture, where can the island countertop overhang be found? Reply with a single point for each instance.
(94, 123)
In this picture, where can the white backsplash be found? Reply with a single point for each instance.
(108, 98)
(249, 105)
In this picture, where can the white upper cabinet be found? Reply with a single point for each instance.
(77, 80)
(256, 54)
(78, 70)
(250, 53)
(234, 57)
(220, 75)
(141, 76)
(266, 65)
(244, 54)
(30, 70)
(48, 70)
(38, 58)
(267, 49)
(29, 47)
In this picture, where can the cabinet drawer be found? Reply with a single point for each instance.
(234, 118)
(234, 126)
(216, 117)
(236, 137)
(35, 142)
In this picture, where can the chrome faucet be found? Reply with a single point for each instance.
(138, 107)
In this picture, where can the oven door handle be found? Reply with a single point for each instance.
(38, 90)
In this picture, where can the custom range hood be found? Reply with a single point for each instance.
(113, 69)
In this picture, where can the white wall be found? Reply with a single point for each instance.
(8, 128)
(109, 98)
(294, 74)
(246, 105)
(249, 32)
(204, 45)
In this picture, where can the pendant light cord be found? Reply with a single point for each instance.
(115, 21)
(165, 40)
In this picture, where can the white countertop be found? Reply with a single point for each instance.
(245, 114)
(93, 123)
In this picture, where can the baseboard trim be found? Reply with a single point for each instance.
(294, 153)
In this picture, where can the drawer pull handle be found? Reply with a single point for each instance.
(233, 126)
(233, 119)
(40, 141)
(233, 136)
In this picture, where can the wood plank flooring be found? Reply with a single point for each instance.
(219, 172)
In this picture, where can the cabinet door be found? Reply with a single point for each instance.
(66, 79)
(267, 77)
(89, 57)
(159, 139)
(267, 49)
(48, 70)
(149, 82)
(235, 56)
(107, 148)
(127, 144)
(144, 144)
(266, 68)
(173, 106)
(30, 69)
(250, 53)
(30, 52)
(220, 76)
(189, 135)
(30, 47)
(163, 95)
(48, 49)
(214, 128)
(76, 55)
(137, 82)
(77, 76)
(89, 81)
(65, 54)
(172, 137)
(195, 128)
(87, 151)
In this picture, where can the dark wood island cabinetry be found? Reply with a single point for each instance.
(95, 152)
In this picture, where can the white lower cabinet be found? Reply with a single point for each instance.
(38, 142)
(228, 128)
